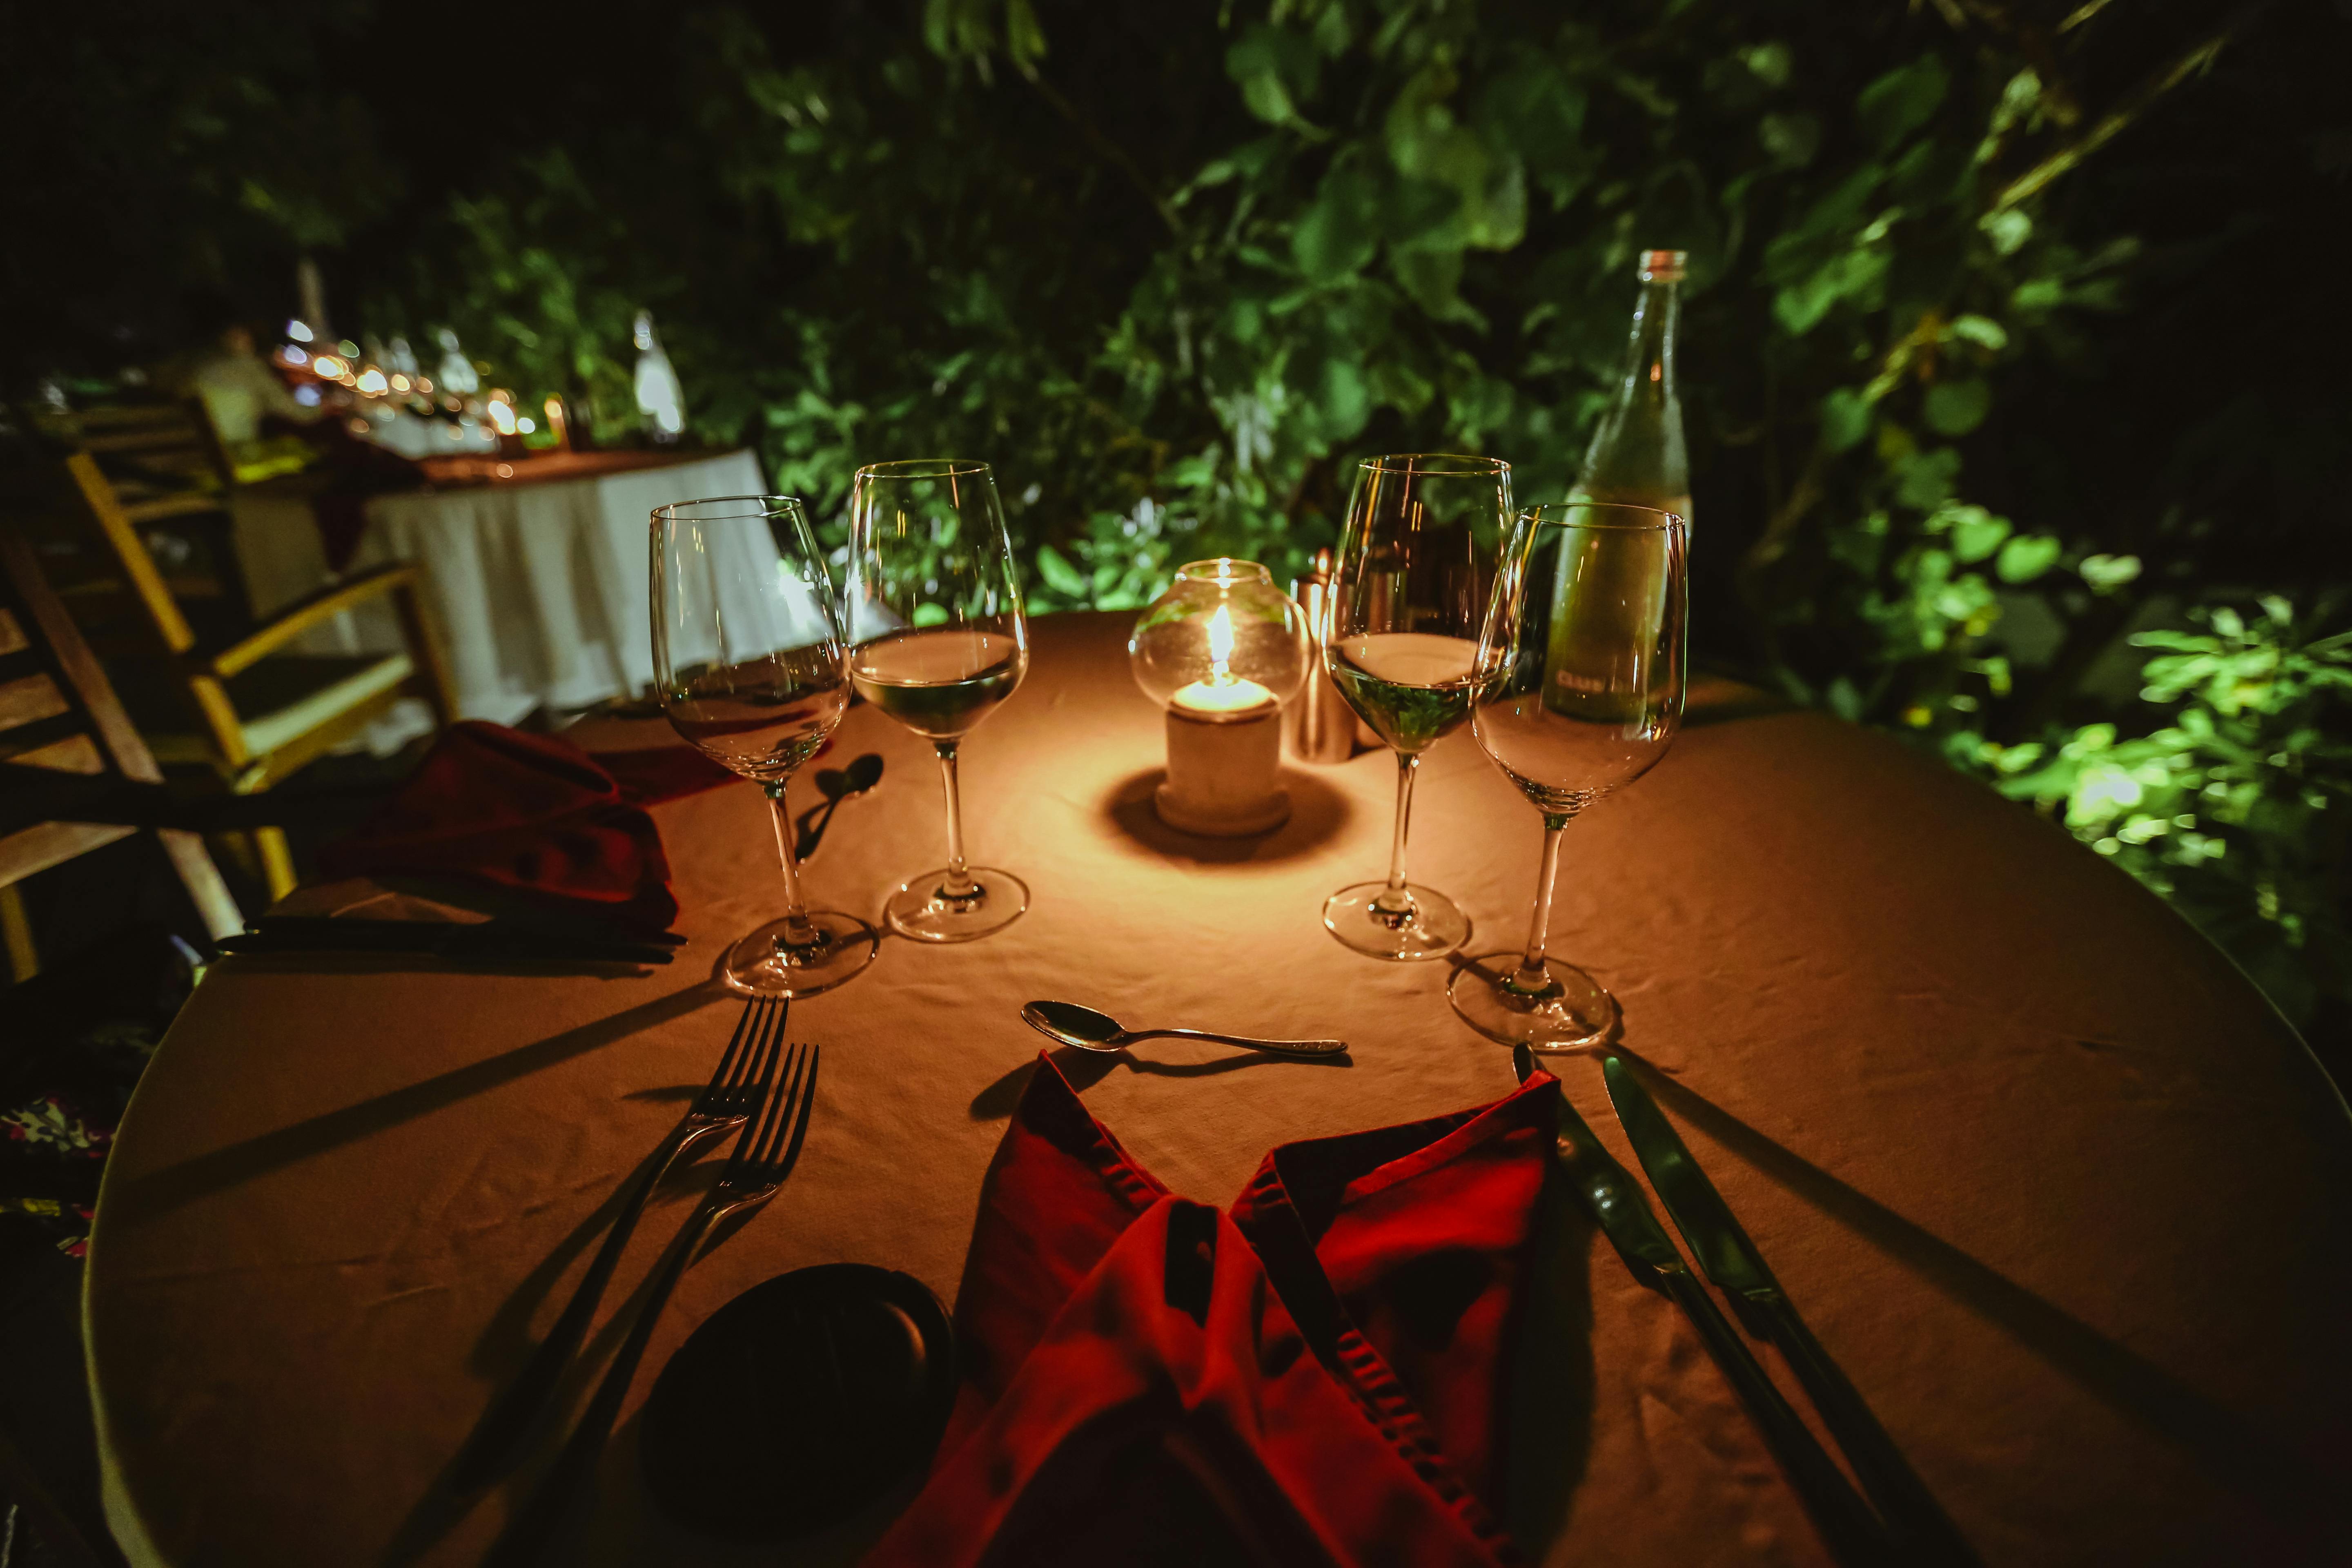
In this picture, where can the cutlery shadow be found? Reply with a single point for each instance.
(443, 1506)
(1086, 1068)
(1318, 814)
(2125, 1380)
(169, 1187)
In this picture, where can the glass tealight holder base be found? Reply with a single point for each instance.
(768, 962)
(1573, 1012)
(1431, 927)
(925, 909)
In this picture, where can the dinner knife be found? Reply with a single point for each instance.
(443, 939)
(1610, 1194)
(1732, 1261)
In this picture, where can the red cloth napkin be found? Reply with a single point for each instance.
(1315, 1378)
(533, 816)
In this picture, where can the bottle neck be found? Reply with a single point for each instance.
(1650, 353)
(1637, 453)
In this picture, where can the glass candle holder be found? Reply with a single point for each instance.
(1221, 651)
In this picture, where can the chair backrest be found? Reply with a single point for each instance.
(146, 541)
(59, 712)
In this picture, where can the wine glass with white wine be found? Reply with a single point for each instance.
(937, 641)
(1580, 693)
(749, 665)
(1415, 567)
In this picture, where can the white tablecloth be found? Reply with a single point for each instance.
(540, 589)
(2056, 1187)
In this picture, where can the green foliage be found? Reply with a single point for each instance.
(2236, 807)
(1963, 356)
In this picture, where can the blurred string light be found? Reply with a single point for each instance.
(372, 383)
(299, 331)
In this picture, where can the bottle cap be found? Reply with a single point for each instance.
(1662, 265)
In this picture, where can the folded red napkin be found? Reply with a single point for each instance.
(1314, 1378)
(535, 816)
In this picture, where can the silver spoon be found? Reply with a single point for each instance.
(1092, 1031)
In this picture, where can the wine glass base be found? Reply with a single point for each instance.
(1574, 1013)
(764, 964)
(922, 907)
(1434, 927)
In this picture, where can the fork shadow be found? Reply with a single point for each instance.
(505, 1346)
(2133, 1387)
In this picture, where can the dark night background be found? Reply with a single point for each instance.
(2012, 351)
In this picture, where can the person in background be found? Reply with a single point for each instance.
(243, 397)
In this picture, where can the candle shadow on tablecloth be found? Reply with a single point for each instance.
(2126, 1382)
(1317, 815)
(159, 1191)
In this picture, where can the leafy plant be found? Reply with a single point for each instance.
(2236, 807)
(1989, 341)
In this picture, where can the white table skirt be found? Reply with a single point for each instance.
(540, 589)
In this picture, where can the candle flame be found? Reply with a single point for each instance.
(1221, 644)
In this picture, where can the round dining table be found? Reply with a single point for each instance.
(2050, 1180)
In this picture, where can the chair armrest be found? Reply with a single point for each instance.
(304, 614)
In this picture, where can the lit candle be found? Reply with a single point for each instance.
(1227, 696)
(1223, 693)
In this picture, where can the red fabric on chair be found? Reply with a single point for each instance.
(533, 816)
(1134, 1361)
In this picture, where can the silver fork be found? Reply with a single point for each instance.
(730, 1097)
(764, 1155)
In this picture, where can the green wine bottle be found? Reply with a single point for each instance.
(1637, 454)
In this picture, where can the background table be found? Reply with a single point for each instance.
(538, 578)
(2060, 1193)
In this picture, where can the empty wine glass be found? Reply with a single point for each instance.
(1581, 691)
(748, 662)
(1415, 570)
(938, 639)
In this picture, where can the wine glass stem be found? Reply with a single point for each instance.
(1532, 977)
(798, 932)
(1393, 898)
(959, 882)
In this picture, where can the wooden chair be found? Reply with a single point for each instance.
(247, 705)
(59, 712)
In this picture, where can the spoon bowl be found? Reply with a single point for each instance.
(1089, 1030)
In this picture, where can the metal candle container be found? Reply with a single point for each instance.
(1318, 724)
(1221, 651)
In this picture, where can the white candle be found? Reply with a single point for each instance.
(1228, 696)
